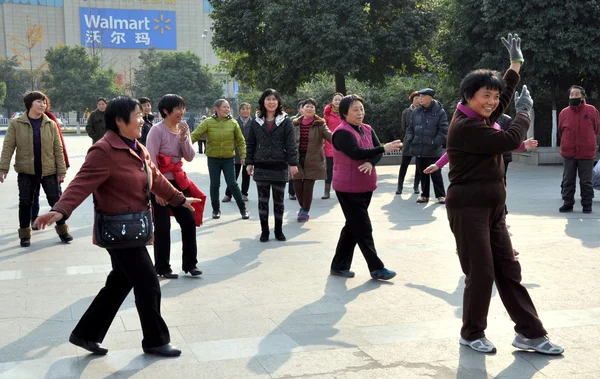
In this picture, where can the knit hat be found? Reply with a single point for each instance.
(427, 91)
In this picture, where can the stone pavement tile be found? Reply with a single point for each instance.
(200, 316)
(260, 312)
(245, 347)
(333, 339)
(228, 330)
(244, 368)
(26, 348)
(315, 362)
(48, 368)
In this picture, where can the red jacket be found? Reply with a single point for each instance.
(332, 120)
(578, 128)
(53, 118)
(165, 164)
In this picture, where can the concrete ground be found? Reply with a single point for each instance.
(270, 310)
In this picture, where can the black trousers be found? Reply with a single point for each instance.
(264, 194)
(131, 268)
(35, 207)
(572, 168)
(329, 163)
(402, 172)
(436, 178)
(29, 186)
(201, 143)
(357, 230)
(505, 170)
(245, 179)
(291, 190)
(162, 235)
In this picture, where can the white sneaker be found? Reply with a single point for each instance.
(541, 345)
(482, 345)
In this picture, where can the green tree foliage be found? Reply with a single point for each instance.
(559, 46)
(16, 84)
(285, 43)
(74, 79)
(180, 73)
(2, 93)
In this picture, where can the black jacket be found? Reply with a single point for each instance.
(271, 152)
(146, 128)
(504, 121)
(245, 129)
(427, 131)
(404, 123)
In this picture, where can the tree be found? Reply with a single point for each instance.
(180, 73)
(2, 93)
(74, 79)
(559, 47)
(285, 43)
(24, 51)
(16, 84)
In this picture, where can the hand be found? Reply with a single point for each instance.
(243, 162)
(61, 178)
(2, 176)
(293, 170)
(513, 45)
(160, 201)
(366, 168)
(183, 130)
(430, 169)
(392, 146)
(250, 169)
(524, 102)
(47, 219)
(531, 143)
(189, 201)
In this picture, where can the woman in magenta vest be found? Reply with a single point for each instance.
(356, 152)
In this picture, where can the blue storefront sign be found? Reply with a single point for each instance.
(128, 29)
(48, 3)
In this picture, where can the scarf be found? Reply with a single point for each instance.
(335, 109)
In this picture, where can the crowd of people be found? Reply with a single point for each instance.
(134, 166)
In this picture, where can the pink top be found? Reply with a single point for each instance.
(162, 141)
(470, 113)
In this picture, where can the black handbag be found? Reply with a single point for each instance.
(126, 230)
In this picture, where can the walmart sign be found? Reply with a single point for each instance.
(127, 29)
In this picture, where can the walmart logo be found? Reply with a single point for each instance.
(162, 24)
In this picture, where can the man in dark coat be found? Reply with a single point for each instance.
(95, 124)
(148, 118)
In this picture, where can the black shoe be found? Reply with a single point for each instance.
(245, 214)
(292, 197)
(164, 350)
(66, 238)
(169, 275)
(416, 191)
(587, 209)
(264, 236)
(216, 215)
(91, 346)
(25, 242)
(565, 208)
(33, 227)
(399, 191)
(193, 272)
(280, 236)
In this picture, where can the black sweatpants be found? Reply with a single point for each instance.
(131, 268)
(329, 164)
(402, 172)
(162, 235)
(29, 187)
(436, 178)
(572, 168)
(357, 230)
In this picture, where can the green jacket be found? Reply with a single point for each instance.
(95, 127)
(224, 134)
(19, 135)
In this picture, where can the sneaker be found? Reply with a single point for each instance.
(226, 199)
(565, 208)
(344, 273)
(303, 216)
(441, 200)
(244, 198)
(422, 199)
(292, 197)
(541, 345)
(482, 345)
(382, 274)
(587, 209)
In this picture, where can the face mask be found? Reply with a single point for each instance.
(575, 101)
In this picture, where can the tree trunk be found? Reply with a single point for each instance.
(340, 84)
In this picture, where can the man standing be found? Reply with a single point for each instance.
(148, 118)
(244, 120)
(578, 128)
(95, 124)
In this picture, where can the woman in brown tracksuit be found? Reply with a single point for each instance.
(475, 205)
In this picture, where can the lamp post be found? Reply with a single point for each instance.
(204, 36)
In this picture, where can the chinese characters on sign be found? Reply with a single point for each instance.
(128, 29)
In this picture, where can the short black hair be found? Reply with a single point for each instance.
(169, 102)
(32, 96)
(477, 79)
(580, 88)
(301, 104)
(144, 100)
(119, 108)
(103, 99)
(261, 102)
(347, 102)
(311, 101)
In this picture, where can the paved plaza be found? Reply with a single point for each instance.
(270, 310)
